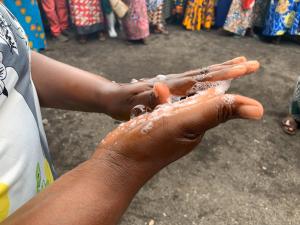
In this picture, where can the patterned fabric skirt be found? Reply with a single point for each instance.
(295, 104)
(167, 9)
(283, 17)
(28, 14)
(106, 7)
(260, 12)
(222, 9)
(199, 13)
(135, 23)
(178, 9)
(87, 16)
(152, 5)
(238, 20)
(156, 17)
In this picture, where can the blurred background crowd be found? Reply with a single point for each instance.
(268, 19)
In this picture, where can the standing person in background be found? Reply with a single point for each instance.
(290, 123)
(260, 12)
(198, 14)
(156, 17)
(136, 23)
(110, 17)
(57, 15)
(222, 9)
(283, 18)
(240, 17)
(28, 14)
(87, 16)
(178, 10)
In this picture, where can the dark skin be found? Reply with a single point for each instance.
(99, 190)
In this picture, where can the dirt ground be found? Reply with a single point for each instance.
(243, 172)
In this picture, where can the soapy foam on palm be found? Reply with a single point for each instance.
(165, 110)
(228, 99)
(134, 81)
(220, 86)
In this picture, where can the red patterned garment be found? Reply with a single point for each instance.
(87, 16)
(135, 23)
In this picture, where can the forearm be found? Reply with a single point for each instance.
(96, 192)
(66, 87)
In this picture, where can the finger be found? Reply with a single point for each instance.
(217, 67)
(231, 72)
(159, 94)
(162, 92)
(180, 86)
(204, 115)
(237, 60)
(211, 68)
(220, 86)
(207, 72)
(232, 62)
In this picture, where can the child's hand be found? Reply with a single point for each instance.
(153, 140)
(141, 92)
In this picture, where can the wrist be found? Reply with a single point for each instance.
(105, 96)
(132, 174)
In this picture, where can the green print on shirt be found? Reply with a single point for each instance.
(42, 183)
(38, 177)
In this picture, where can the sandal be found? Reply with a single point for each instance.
(289, 125)
(160, 29)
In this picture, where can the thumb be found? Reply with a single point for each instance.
(159, 94)
(204, 115)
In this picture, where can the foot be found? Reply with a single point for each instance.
(237, 36)
(62, 38)
(82, 39)
(67, 33)
(102, 37)
(112, 33)
(160, 29)
(289, 125)
(276, 40)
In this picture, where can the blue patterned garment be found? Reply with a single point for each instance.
(28, 14)
(222, 9)
(283, 17)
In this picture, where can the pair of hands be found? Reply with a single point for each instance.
(153, 140)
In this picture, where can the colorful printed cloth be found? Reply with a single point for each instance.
(295, 103)
(283, 17)
(135, 23)
(238, 20)
(106, 7)
(152, 5)
(167, 9)
(222, 9)
(87, 16)
(28, 14)
(155, 17)
(260, 12)
(199, 13)
(178, 9)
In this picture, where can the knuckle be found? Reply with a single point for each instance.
(224, 112)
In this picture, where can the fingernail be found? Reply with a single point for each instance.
(250, 112)
(252, 65)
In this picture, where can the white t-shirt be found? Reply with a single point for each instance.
(25, 164)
